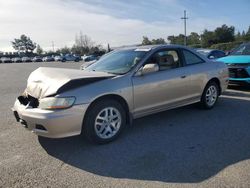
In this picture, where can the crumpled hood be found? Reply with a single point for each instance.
(234, 59)
(46, 81)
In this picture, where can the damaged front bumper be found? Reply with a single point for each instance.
(50, 123)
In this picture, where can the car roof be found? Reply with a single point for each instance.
(160, 47)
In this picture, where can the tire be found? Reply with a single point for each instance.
(97, 121)
(210, 95)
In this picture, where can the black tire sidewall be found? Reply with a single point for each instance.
(89, 122)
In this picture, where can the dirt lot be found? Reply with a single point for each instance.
(185, 147)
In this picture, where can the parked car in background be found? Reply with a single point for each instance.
(123, 85)
(58, 58)
(238, 63)
(16, 60)
(48, 59)
(37, 59)
(5, 60)
(90, 58)
(211, 53)
(26, 59)
(70, 57)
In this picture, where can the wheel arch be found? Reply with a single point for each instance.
(217, 81)
(115, 97)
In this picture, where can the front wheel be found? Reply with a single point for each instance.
(104, 121)
(210, 95)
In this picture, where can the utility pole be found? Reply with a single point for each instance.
(185, 27)
(109, 48)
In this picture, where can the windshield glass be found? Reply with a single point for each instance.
(243, 49)
(118, 62)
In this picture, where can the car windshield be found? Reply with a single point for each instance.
(243, 49)
(118, 62)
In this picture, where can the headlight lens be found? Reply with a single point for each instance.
(53, 103)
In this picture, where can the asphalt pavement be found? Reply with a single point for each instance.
(185, 147)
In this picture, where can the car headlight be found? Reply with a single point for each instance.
(53, 103)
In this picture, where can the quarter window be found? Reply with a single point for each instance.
(191, 58)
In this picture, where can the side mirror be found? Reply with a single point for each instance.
(211, 57)
(148, 68)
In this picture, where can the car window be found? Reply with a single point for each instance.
(191, 58)
(166, 59)
(243, 49)
(118, 62)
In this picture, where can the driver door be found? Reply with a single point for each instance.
(163, 89)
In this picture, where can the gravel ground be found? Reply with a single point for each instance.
(185, 147)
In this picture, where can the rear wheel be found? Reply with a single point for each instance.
(210, 95)
(104, 121)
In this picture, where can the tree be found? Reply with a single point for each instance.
(146, 41)
(83, 44)
(208, 38)
(224, 34)
(176, 39)
(24, 44)
(64, 50)
(171, 39)
(158, 41)
(238, 36)
(247, 35)
(39, 50)
(97, 50)
(248, 31)
(193, 38)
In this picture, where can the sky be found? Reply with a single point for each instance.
(117, 22)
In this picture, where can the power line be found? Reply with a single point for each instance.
(185, 27)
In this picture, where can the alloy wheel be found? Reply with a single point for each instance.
(108, 122)
(211, 95)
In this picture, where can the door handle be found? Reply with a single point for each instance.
(184, 76)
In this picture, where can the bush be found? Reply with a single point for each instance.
(226, 46)
(195, 46)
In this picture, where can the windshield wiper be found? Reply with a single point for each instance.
(115, 73)
(108, 72)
